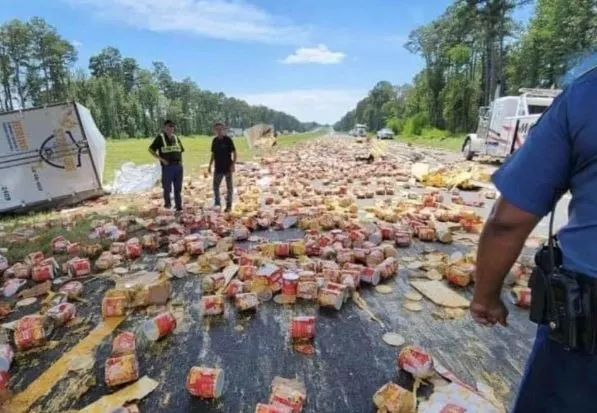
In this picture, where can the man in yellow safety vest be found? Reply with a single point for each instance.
(168, 149)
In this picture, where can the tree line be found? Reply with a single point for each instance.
(126, 100)
(470, 49)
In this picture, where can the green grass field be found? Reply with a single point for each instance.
(432, 138)
(197, 151)
(435, 138)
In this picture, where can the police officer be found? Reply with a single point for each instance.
(559, 155)
(168, 149)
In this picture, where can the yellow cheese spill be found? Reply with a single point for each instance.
(22, 402)
(111, 402)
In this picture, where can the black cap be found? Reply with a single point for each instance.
(168, 122)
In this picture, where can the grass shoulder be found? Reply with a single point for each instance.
(197, 151)
(435, 138)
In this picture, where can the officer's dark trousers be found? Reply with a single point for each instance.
(217, 183)
(172, 177)
(557, 381)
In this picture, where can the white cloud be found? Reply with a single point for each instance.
(319, 105)
(319, 54)
(77, 44)
(220, 19)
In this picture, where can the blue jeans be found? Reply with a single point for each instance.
(556, 380)
(172, 177)
(216, 185)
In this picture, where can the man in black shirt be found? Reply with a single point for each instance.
(168, 149)
(223, 154)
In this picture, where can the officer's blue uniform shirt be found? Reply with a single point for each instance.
(563, 141)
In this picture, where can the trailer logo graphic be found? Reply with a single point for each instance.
(62, 152)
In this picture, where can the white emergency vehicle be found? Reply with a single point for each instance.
(504, 125)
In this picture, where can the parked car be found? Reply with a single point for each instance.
(385, 133)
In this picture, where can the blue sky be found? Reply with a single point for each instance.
(312, 58)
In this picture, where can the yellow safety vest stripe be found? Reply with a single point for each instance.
(175, 147)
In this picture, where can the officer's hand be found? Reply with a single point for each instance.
(209, 170)
(232, 168)
(489, 312)
(164, 162)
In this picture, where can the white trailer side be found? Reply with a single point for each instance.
(49, 156)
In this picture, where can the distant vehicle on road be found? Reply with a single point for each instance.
(234, 132)
(359, 130)
(385, 133)
(505, 123)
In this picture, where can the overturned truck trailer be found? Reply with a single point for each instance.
(49, 156)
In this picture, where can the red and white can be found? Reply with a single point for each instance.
(312, 248)
(72, 289)
(32, 331)
(247, 272)
(521, 296)
(44, 272)
(375, 257)
(246, 302)
(403, 239)
(121, 369)
(290, 284)
(415, 361)
(133, 248)
(387, 232)
(177, 248)
(370, 275)
(114, 306)
(212, 304)
(196, 248)
(4, 377)
(159, 326)
(306, 276)
(34, 258)
(205, 382)
(235, 287)
(302, 328)
(270, 408)
(331, 274)
(275, 280)
(426, 234)
(287, 398)
(307, 290)
(124, 343)
(79, 267)
(331, 298)
(62, 313)
(59, 244)
(282, 249)
(338, 287)
(388, 268)
(73, 248)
